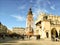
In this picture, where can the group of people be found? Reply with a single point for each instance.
(13, 35)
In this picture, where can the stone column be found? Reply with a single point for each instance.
(50, 34)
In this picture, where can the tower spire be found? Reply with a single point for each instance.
(30, 11)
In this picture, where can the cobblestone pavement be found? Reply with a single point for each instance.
(31, 42)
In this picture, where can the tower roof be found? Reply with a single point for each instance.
(30, 11)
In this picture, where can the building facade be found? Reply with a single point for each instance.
(9, 31)
(47, 25)
(18, 30)
(3, 28)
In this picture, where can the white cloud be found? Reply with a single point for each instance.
(48, 2)
(45, 10)
(22, 7)
(34, 15)
(38, 2)
(53, 7)
(36, 12)
(18, 17)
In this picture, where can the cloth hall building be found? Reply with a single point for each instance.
(47, 25)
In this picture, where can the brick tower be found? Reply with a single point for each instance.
(29, 23)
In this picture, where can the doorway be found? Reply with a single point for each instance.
(54, 33)
(47, 34)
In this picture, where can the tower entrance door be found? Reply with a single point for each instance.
(47, 34)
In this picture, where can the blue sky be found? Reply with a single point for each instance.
(13, 12)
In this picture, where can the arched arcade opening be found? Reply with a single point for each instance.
(54, 33)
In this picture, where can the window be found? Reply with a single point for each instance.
(45, 18)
